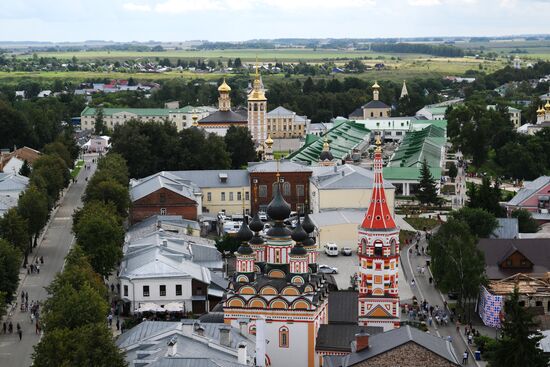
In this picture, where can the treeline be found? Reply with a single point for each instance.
(152, 147)
(506, 75)
(20, 226)
(419, 48)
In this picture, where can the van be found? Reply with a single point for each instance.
(331, 249)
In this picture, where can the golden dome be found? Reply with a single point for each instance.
(224, 87)
(547, 105)
(269, 141)
(375, 85)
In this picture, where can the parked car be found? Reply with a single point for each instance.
(328, 269)
(331, 249)
(346, 251)
(263, 216)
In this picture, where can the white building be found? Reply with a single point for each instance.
(12, 186)
(432, 113)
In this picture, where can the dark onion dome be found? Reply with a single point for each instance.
(278, 208)
(256, 225)
(256, 240)
(278, 230)
(244, 234)
(308, 242)
(307, 224)
(245, 249)
(298, 249)
(326, 155)
(298, 234)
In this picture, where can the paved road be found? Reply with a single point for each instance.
(425, 291)
(55, 244)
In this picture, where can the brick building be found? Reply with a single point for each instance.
(294, 179)
(163, 194)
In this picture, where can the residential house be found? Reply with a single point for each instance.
(13, 161)
(164, 194)
(432, 113)
(534, 196)
(405, 347)
(186, 343)
(12, 186)
(283, 123)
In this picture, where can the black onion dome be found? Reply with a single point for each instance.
(308, 242)
(278, 208)
(244, 234)
(307, 224)
(298, 234)
(245, 249)
(298, 250)
(256, 225)
(256, 240)
(326, 155)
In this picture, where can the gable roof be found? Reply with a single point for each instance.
(338, 337)
(280, 111)
(529, 189)
(384, 342)
(212, 178)
(272, 166)
(376, 104)
(145, 186)
(537, 250)
(223, 117)
(343, 307)
(345, 176)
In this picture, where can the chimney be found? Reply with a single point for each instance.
(361, 341)
(173, 346)
(242, 354)
(242, 327)
(165, 243)
(225, 336)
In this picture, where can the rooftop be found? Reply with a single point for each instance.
(274, 166)
(224, 117)
(145, 186)
(529, 188)
(343, 177)
(215, 178)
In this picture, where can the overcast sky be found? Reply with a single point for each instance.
(234, 20)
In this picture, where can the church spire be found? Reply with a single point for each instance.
(404, 91)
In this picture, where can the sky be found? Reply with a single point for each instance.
(239, 20)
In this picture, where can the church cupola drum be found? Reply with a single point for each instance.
(379, 258)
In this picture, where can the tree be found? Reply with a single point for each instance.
(61, 150)
(100, 234)
(240, 146)
(526, 222)
(427, 190)
(453, 171)
(25, 169)
(227, 243)
(91, 345)
(237, 64)
(456, 262)
(481, 222)
(33, 206)
(114, 165)
(486, 196)
(519, 345)
(13, 228)
(99, 127)
(10, 258)
(107, 190)
(50, 173)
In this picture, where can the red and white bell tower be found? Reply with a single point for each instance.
(379, 258)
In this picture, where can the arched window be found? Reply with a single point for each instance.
(255, 107)
(392, 247)
(283, 337)
(286, 189)
(378, 248)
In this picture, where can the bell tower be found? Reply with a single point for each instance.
(224, 101)
(379, 258)
(257, 110)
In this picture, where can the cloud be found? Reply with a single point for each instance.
(186, 6)
(136, 7)
(424, 2)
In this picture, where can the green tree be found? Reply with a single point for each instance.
(519, 345)
(33, 207)
(481, 222)
(227, 243)
(14, 229)
(25, 169)
(57, 147)
(240, 146)
(99, 127)
(453, 171)
(427, 190)
(456, 262)
(10, 258)
(114, 165)
(485, 196)
(91, 345)
(526, 222)
(50, 173)
(100, 234)
(237, 64)
(109, 191)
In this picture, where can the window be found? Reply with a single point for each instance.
(125, 291)
(231, 196)
(223, 196)
(372, 114)
(286, 188)
(145, 291)
(209, 196)
(522, 303)
(162, 290)
(300, 190)
(246, 196)
(239, 196)
(162, 211)
(162, 198)
(178, 289)
(263, 191)
(283, 337)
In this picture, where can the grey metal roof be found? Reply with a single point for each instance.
(343, 307)
(344, 177)
(211, 178)
(223, 117)
(384, 342)
(280, 111)
(528, 189)
(13, 182)
(338, 337)
(358, 112)
(376, 104)
(145, 186)
(272, 166)
(507, 228)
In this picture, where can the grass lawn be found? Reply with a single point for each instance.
(77, 167)
(419, 223)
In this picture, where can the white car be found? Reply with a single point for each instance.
(346, 251)
(328, 269)
(263, 216)
(331, 249)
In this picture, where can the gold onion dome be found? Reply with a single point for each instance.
(375, 85)
(269, 141)
(540, 110)
(547, 105)
(224, 87)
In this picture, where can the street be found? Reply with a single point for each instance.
(54, 246)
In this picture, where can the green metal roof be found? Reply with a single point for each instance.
(422, 124)
(343, 138)
(437, 110)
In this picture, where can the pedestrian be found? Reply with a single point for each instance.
(465, 357)
(27, 297)
(22, 296)
(38, 269)
(37, 327)
(430, 321)
(10, 327)
(113, 288)
(422, 270)
(32, 317)
(5, 327)
(41, 259)
(470, 338)
(430, 280)
(412, 283)
(457, 326)
(20, 332)
(110, 319)
(418, 269)
(18, 327)
(117, 324)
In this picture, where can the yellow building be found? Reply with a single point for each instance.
(257, 110)
(283, 123)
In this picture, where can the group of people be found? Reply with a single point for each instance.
(35, 268)
(8, 328)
